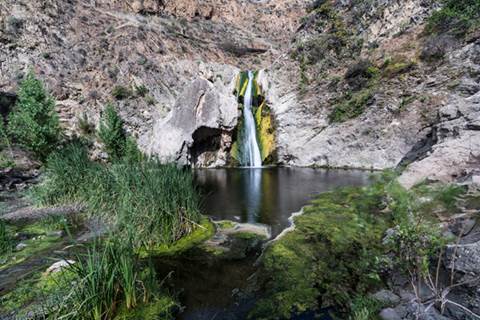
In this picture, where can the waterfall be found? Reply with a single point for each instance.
(251, 155)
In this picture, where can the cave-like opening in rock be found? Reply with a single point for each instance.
(206, 143)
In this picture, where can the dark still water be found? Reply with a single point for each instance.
(268, 195)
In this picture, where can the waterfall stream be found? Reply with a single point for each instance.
(251, 156)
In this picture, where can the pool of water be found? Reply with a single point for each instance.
(268, 195)
(220, 288)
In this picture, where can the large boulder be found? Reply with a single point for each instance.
(199, 127)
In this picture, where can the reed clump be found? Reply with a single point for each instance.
(159, 202)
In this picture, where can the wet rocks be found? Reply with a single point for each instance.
(386, 297)
(20, 246)
(59, 266)
(389, 314)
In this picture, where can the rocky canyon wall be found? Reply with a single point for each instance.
(347, 82)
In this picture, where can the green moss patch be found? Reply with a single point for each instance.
(33, 292)
(162, 307)
(248, 236)
(351, 105)
(225, 224)
(265, 131)
(331, 256)
(204, 231)
(39, 240)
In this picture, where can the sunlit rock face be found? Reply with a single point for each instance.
(186, 53)
(198, 129)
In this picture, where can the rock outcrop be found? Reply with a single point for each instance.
(199, 129)
(165, 55)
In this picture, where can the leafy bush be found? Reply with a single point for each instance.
(159, 201)
(359, 74)
(365, 308)
(141, 90)
(111, 133)
(131, 152)
(455, 17)
(121, 92)
(33, 122)
(351, 105)
(85, 126)
(4, 141)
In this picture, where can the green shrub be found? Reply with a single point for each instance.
(141, 90)
(131, 152)
(85, 126)
(365, 308)
(455, 17)
(121, 92)
(112, 134)
(4, 141)
(351, 105)
(33, 122)
(448, 195)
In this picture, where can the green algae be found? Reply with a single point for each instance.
(245, 235)
(265, 131)
(39, 240)
(36, 290)
(163, 307)
(332, 255)
(204, 231)
(225, 224)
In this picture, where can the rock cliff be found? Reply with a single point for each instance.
(349, 83)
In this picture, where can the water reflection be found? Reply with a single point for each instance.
(268, 195)
(252, 191)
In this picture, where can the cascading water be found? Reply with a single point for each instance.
(251, 155)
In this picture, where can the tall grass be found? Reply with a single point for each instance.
(6, 242)
(106, 276)
(159, 202)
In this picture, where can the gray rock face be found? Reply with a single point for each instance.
(387, 298)
(200, 123)
(458, 149)
(389, 314)
(464, 258)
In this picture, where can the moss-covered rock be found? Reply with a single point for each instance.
(204, 231)
(331, 256)
(266, 132)
(163, 307)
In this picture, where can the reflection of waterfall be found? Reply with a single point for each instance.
(253, 193)
(251, 156)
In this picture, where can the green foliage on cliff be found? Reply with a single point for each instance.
(351, 105)
(111, 133)
(455, 17)
(33, 122)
